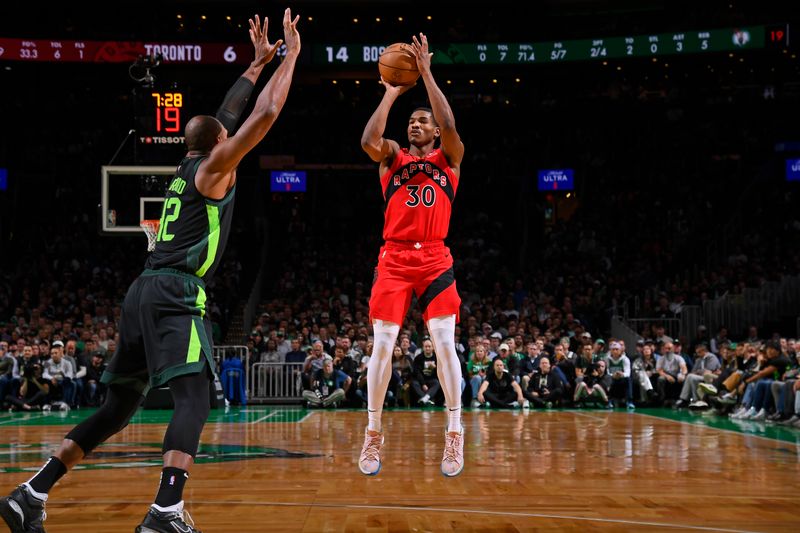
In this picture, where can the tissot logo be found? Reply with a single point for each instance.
(162, 140)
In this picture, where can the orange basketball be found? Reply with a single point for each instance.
(398, 65)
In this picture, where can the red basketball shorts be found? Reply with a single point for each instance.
(424, 270)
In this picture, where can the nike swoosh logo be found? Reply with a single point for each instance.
(179, 528)
(17, 509)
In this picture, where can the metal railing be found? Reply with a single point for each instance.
(276, 382)
(672, 326)
(691, 316)
(754, 305)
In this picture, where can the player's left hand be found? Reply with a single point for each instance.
(420, 47)
(264, 51)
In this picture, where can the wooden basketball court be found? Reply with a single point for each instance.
(287, 469)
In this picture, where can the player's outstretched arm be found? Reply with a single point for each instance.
(225, 156)
(237, 97)
(452, 147)
(372, 141)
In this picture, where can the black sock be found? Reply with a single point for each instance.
(170, 491)
(51, 472)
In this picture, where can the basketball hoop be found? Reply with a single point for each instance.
(150, 228)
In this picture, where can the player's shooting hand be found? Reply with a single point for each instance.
(258, 36)
(395, 90)
(290, 33)
(420, 47)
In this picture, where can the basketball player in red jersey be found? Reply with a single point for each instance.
(419, 184)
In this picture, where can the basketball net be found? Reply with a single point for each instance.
(150, 228)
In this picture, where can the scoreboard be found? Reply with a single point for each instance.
(61, 51)
(362, 54)
(516, 53)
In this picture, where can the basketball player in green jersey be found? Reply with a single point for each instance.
(165, 337)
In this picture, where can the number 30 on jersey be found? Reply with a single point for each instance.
(426, 196)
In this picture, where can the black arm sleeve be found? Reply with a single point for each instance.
(234, 103)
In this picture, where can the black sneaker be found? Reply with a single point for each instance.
(170, 522)
(23, 512)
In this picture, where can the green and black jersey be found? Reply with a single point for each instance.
(193, 230)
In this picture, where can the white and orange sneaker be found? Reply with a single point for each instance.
(370, 461)
(453, 458)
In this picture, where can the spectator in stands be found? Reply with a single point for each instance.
(270, 353)
(688, 358)
(671, 369)
(644, 374)
(296, 354)
(720, 339)
(9, 373)
(599, 350)
(95, 390)
(425, 380)
(514, 357)
(783, 394)
(494, 344)
(328, 386)
(728, 366)
(774, 364)
(529, 364)
(79, 364)
(544, 389)
(407, 348)
(402, 368)
(58, 372)
(619, 367)
(706, 368)
(584, 362)
(499, 389)
(732, 389)
(509, 360)
(478, 367)
(26, 358)
(595, 386)
(34, 390)
(350, 367)
(313, 363)
(282, 345)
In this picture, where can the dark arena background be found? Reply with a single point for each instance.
(629, 186)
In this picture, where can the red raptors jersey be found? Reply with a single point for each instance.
(418, 193)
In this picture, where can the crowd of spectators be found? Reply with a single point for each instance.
(650, 201)
(60, 302)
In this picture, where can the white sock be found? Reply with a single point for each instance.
(38, 495)
(448, 367)
(374, 419)
(454, 420)
(177, 508)
(379, 371)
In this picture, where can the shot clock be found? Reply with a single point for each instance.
(161, 115)
(167, 107)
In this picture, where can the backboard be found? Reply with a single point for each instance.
(130, 194)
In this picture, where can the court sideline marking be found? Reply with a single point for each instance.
(704, 426)
(272, 413)
(412, 508)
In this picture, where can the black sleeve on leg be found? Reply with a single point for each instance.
(120, 405)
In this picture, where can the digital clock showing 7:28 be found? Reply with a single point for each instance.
(168, 111)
